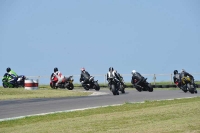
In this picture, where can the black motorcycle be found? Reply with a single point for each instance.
(143, 86)
(69, 83)
(91, 84)
(114, 85)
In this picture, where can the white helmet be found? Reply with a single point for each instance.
(133, 71)
(183, 70)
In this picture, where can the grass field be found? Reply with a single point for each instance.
(174, 116)
(21, 93)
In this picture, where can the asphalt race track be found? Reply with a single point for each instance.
(18, 108)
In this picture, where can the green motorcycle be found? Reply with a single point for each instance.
(6, 84)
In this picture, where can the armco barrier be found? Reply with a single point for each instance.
(154, 86)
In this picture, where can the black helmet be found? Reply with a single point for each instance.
(175, 71)
(111, 69)
(55, 69)
(8, 69)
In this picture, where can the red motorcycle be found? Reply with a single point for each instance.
(66, 82)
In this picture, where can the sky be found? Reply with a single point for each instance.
(156, 36)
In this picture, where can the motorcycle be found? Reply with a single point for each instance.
(187, 85)
(91, 84)
(20, 80)
(69, 83)
(144, 86)
(66, 82)
(7, 84)
(114, 86)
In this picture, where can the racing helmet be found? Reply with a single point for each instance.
(183, 70)
(55, 69)
(8, 69)
(111, 69)
(133, 71)
(82, 69)
(175, 72)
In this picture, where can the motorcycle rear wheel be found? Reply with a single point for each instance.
(96, 86)
(122, 88)
(70, 87)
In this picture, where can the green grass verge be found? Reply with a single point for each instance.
(174, 116)
(21, 93)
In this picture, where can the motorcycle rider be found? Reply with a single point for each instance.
(12, 75)
(58, 75)
(84, 78)
(119, 77)
(185, 74)
(136, 76)
(112, 73)
(177, 78)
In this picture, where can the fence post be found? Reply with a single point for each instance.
(38, 79)
(171, 79)
(154, 78)
(105, 79)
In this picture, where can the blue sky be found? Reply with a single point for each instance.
(154, 36)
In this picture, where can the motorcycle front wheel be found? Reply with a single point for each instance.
(190, 88)
(150, 88)
(4, 85)
(114, 90)
(122, 88)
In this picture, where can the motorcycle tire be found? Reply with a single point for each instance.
(150, 88)
(51, 85)
(185, 91)
(117, 92)
(122, 89)
(113, 89)
(86, 88)
(138, 89)
(70, 87)
(96, 86)
(145, 88)
(4, 85)
(190, 88)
